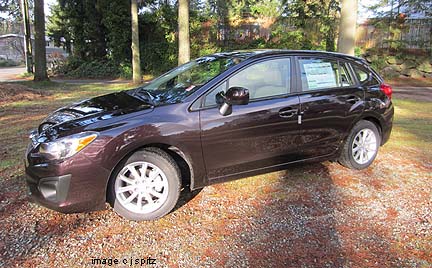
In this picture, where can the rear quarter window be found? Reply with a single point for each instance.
(363, 75)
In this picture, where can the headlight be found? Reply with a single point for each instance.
(67, 146)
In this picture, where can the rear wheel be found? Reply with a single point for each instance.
(361, 146)
(146, 186)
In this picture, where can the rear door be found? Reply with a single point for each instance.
(330, 102)
(261, 134)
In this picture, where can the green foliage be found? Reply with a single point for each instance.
(26, 75)
(58, 28)
(66, 67)
(75, 67)
(116, 19)
(158, 44)
(267, 8)
(101, 30)
(317, 20)
(125, 70)
(7, 63)
(358, 51)
(286, 38)
(378, 64)
(95, 69)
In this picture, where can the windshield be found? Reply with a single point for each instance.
(182, 81)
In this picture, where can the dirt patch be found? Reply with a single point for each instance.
(15, 92)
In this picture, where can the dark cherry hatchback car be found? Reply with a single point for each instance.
(216, 118)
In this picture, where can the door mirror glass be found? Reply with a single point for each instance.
(233, 96)
(237, 96)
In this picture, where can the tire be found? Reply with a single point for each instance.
(149, 195)
(361, 146)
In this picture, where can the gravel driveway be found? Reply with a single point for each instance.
(315, 215)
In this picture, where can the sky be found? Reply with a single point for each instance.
(47, 4)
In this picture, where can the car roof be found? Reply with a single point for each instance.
(258, 53)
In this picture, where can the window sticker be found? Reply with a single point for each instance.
(320, 75)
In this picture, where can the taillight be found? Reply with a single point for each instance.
(387, 89)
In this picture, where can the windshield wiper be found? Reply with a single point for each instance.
(144, 95)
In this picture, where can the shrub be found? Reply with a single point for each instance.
(76, 68)
(125, 70)
(8, 63)
(95, 69)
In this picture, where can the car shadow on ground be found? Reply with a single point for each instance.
(295, 227)
(186, 195)
(299, 224)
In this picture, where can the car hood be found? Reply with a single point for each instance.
(81, 114)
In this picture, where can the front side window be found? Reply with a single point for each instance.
(210, 99)
(182, 81)
(264, 79)
(319, 74)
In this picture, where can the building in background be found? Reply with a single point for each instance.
(12, 48)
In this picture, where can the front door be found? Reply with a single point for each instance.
(261, 134)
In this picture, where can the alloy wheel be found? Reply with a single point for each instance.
(364, 146)
(141, 187)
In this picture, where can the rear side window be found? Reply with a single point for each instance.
(319, 74)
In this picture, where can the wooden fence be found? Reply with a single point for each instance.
(412, 34)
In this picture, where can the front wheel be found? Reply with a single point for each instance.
(146, 186)
(361, 146)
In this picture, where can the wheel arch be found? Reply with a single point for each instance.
(179, 157)
(376, 122)
(367, 117)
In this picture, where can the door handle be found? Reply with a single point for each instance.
(288, 113)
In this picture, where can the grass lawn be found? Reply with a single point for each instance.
(18, 118)
(320, 215)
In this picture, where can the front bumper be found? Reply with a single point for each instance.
(50, 192)
(74, 185)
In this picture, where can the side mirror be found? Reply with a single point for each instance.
(233, 96)
(237, 96)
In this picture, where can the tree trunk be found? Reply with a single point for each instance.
(136, 63)
(347, 27)
(28, 54)
(39, 47)
(183, 36)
